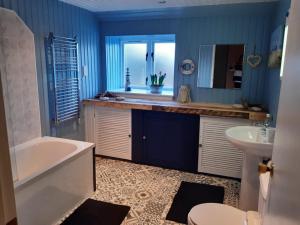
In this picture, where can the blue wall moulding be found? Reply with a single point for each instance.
(45, 16)
(248, 24)
(114, 64)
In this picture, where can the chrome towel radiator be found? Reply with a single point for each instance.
(63, 78)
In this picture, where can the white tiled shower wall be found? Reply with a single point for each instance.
(19, 79)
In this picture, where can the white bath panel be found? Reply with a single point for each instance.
(54, 176)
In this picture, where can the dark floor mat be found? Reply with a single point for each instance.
(190, 195)
(93, 212)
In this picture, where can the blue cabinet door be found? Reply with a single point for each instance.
(168, 140)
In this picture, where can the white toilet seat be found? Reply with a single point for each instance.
(216, 214)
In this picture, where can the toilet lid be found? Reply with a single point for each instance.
(216, 214)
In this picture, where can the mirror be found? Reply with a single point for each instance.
(187, 67)
(220, 66)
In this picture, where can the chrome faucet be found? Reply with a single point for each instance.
(266, 123)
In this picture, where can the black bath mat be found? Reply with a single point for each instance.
(93, 212)
(190, 195)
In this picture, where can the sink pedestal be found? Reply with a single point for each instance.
(250, 183)
(249, 140)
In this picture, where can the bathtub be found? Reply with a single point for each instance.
(52, 176)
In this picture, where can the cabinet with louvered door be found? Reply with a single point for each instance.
(216, 154)
(112, 132)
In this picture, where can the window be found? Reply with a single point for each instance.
(164, 57)
(286, 30)
(134, 59)
(142, 55)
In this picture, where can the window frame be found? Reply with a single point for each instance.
(150, 40)
(123, 58)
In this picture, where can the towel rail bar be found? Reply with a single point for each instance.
(63, 78)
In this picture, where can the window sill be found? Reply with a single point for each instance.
(145, 94)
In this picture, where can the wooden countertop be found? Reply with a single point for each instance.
(204, 109)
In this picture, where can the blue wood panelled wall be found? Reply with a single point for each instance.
(273, 82)
(245, 23)
(44, 16)
(250, 24)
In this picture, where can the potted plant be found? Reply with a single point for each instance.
(157, 82)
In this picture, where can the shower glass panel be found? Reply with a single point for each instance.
(19, 84)
(10, 129)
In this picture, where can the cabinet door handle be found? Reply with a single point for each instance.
(129, 135)
(152, 56)
(144, 137)
(200, 145)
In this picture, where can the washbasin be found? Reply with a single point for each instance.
(249, 140)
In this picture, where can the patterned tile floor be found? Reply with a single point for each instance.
(148, 190)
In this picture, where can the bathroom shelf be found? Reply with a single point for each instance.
(204, 109)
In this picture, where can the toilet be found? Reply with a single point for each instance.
(219, 214)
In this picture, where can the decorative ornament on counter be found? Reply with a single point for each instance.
(256, 109)
(238, 106)
(157, 82)
(184, 94)
(276, 46)
(187, 67)
(254, 60)
(127, 79)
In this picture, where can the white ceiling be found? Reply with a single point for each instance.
(120, 5)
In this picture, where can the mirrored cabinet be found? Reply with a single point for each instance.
(220, 66)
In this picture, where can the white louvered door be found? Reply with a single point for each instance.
(216, 154)
(113, 132)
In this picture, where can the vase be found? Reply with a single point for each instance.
(156, 89)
